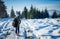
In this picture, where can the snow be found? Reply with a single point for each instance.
(36, 27)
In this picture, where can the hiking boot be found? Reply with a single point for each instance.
(18, 34)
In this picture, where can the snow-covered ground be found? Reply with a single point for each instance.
(36, 27)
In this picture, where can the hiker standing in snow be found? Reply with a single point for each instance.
(16, 23)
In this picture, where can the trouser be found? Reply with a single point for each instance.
(17, 30)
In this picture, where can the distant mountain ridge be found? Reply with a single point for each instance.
(51, 12)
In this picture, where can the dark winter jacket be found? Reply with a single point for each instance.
(16, 22)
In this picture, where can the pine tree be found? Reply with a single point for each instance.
(42, 15)
(37, 14)
(30, 14)
(54, 14)
(3, 12)
(25, 13)
(46, 14)
(12, 14)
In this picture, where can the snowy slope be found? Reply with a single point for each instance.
(41, 27)
(37, 27)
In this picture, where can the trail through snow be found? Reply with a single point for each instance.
(36, 28)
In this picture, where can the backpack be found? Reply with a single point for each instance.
(13, 24)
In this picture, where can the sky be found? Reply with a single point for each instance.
(18, 5)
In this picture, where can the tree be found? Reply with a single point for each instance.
(42, 15)
(12, 14)
(38, 14)
(54, 14)
(46, 14)
(30, 14)
(25, 13)
(35, 13)
(3, 12)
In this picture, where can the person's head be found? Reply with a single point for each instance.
(17, 15)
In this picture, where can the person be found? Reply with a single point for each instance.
(16, 23)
